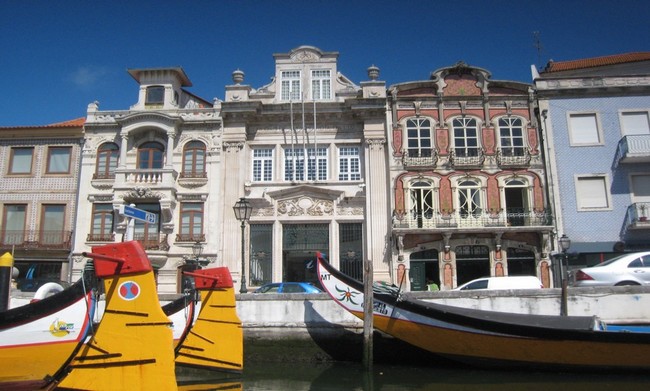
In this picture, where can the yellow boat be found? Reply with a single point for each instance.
(132, 348)
(215, 341)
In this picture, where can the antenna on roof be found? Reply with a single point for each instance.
(538, 46)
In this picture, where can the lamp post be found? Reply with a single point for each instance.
(243, 210)
(565, 244)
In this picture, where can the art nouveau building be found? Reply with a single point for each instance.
(467, 180)
(162, 155)
(309, 152)
(39, 174)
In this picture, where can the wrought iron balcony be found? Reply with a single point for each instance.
(152, 241)
(190, 237)
(37, 240)
(100, 237)
(477, 219)
(467, 157)
(422, 158)
(513, 157)
(633, 149)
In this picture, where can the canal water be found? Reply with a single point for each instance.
(353, 377)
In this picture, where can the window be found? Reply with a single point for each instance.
(102, 229)
(349, 164)
(150, 155)
(108, 155)
(191, 228)
(294, 164)
(320, 85)
(194, 160)
(583, 129)
(262, 165)
(469, 198)
(421, 198)
(418, 135)
(13, 226)
(511, 136)
(351, 245)
(261, 261)
(155, 95)
(290, 85)
(52, 223)
(21, 160)
(465, 137)
(58, 160)
(635, 123)
(591, 192)
(146, 233)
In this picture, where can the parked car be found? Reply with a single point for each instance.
(505, 282)
(288, 287)
(626, 269)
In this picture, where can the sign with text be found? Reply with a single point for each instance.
(138, 214)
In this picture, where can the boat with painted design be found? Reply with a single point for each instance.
(132, 348)
(492, 339)
(215, 340)
(39, 338)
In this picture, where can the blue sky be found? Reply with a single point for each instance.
(58, 56)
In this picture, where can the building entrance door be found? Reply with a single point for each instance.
(300, 242)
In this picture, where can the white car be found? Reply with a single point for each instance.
(505, 282)
(626, 269)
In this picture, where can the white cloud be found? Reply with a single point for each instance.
(85, 77)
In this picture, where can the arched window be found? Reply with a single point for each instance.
(469, 199)
(511, 136)
(419, 137)
(194, 160)
(151, 155)
(108, 156)
(421, 203)
(516, 201)
(466, 142)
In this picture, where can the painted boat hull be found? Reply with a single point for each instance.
(492, 338)
(215, 341)
(132, 348)
(38, 339)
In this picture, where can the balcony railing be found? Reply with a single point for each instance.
(634, 149)
(152, 241)
(424, 158)
(100, 237)
(638, 216)
(467, 157)
(513, 157)
(478, 219)
(42, 240)
(190, 237)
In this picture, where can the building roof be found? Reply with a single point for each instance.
(560, 66)
(77, 122)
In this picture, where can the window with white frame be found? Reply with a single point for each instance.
(635, 122)
(262, 164)
(321, 84)
(511, 136)
(421, 198)
(290, 85)
(592, 193)
(583, 129)
(465, 137)
(469, 198)
(295, 168)
(349, 164)
(419, 137)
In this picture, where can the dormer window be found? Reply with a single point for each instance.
(155, 96)
(321, 84)
(290, 85)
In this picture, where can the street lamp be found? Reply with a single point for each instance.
(565, 244)
(243, 210)
(197, 249)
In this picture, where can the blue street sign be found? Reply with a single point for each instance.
(138, 214)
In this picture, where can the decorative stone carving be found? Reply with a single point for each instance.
(141, 192)
(306, 206)
(233, 146)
